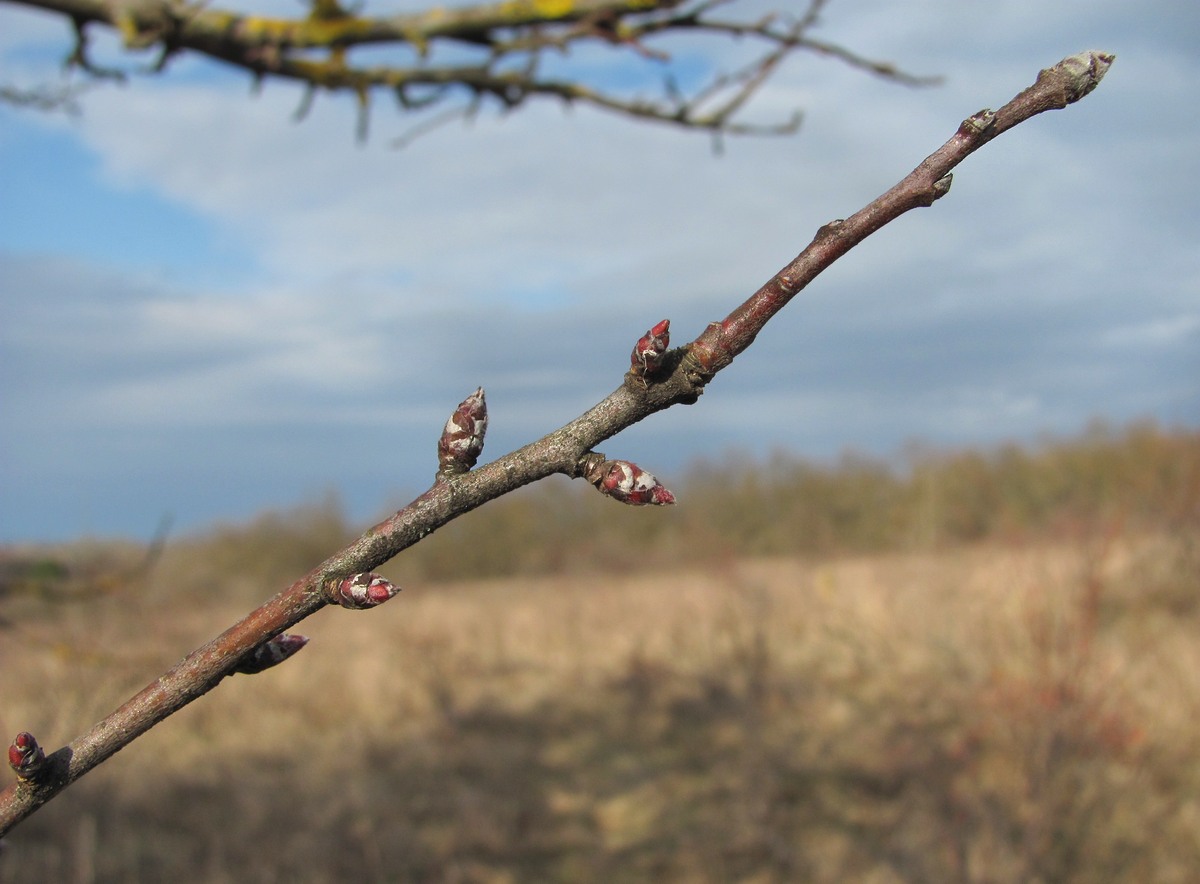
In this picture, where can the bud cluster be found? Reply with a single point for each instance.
(272, 652)
(629, 483)
(648, 352)
(362, 591)
(25, 756)
(462, 439)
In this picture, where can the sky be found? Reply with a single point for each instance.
(208, 309)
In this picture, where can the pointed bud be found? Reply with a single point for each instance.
(25, 756)
(462, 439)
(629, 483)
(362, 591)
(272, 652)
(648, 351)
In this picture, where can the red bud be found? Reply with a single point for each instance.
(362, 591)
(648, 351)
(462, 439)
(629, 483)
(25, 756)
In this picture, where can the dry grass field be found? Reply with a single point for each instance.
(993, 712)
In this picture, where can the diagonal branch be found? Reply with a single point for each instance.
(660, 378)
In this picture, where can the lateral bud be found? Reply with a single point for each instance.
(270, 653)
(629, 483)
(462, 438)
(26, 757)
(978, 123)
(648, 352)
(360, 591)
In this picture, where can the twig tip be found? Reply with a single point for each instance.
(1085, 70)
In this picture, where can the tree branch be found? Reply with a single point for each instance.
(505, 43)
(658, 379)
(43, 98)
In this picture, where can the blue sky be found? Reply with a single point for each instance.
(207, 310)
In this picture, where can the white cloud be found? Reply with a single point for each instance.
(526, 254)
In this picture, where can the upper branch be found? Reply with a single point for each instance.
(505, 44)
(1056, 87)
(659, 379)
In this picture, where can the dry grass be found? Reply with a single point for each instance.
(993, 714)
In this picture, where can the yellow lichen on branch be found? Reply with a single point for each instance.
(547, 8)
(499, 51)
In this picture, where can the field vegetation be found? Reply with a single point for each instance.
(975, 666)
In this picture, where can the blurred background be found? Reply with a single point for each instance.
(936, 622)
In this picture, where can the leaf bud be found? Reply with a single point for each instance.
(25, 756)
(362, 591)
(272, 652)
(462, 438)
(629, 483)
(648, 351)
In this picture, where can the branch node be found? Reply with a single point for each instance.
(699, 361)
(587, 465)
(979, 122)
(830, 230)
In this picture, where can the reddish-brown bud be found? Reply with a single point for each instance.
(648, 351)
(272, 652)
(25, 756)
(462, 439)
(362, 591)
(629, 483)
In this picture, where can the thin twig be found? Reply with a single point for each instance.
(510, 37)
(660, 379)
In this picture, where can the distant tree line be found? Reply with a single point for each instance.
(1140, 478)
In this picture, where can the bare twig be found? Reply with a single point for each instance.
(658, 379)
(498, 50)
(42, 98)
